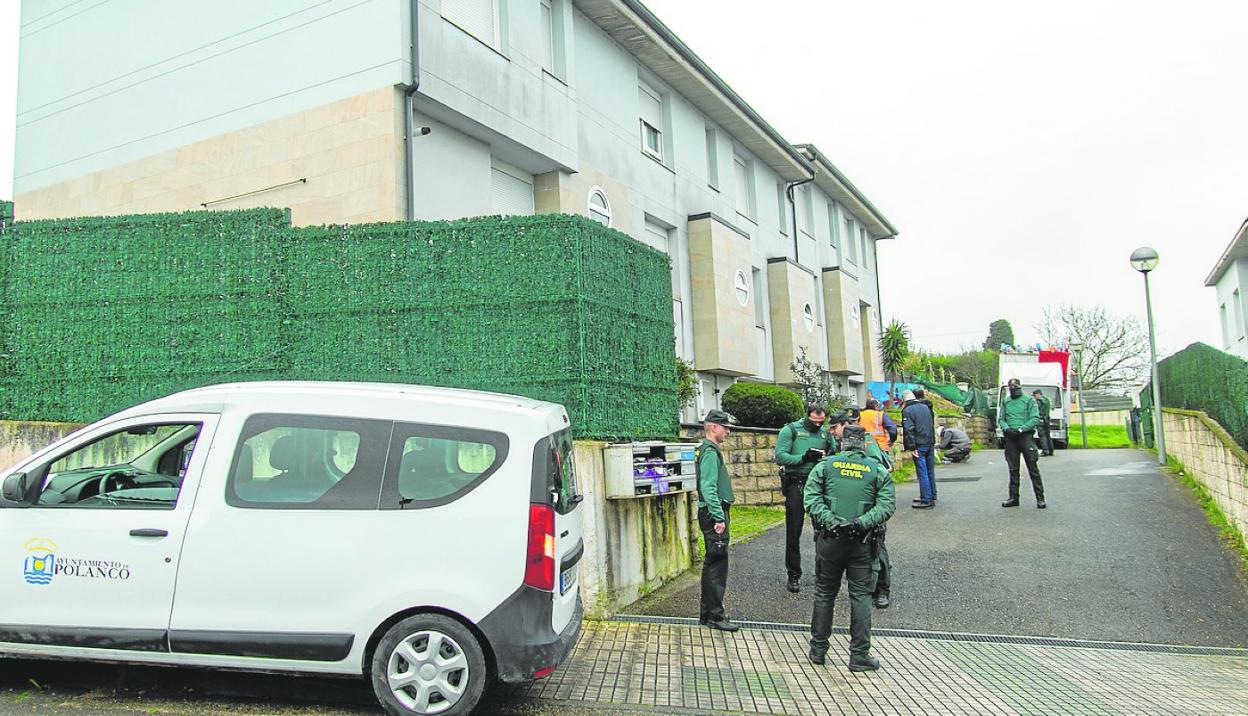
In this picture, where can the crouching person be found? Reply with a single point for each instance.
(847, 495)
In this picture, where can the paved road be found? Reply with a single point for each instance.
(1123, 553)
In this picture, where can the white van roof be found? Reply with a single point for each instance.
(269, 395)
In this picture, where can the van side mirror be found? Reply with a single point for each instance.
(14, 488)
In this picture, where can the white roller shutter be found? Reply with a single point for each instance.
(511, 191)
(477, 17)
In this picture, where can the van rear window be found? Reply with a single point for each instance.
(431, 465)
(554, 473)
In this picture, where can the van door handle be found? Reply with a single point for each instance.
(149, 532)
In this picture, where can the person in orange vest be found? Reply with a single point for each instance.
(878, 425)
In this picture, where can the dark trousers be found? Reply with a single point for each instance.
(1046, 442)
(794, 518)
(714, 567)
(957, 454)
(884, 579)
(853, 560)
(1022, 443)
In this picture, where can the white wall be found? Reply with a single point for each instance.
(1235, 329)
(103, 84)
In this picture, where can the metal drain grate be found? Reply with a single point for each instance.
(962, 637)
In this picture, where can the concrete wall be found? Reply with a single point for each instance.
(19, 440)
(1213, 459)
(723, 326)
(632, 546)
(1101, 417)
(106, 84)
(792, 288)
(350, 152)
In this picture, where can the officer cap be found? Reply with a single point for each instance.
(854, 431)
(841, 417)
(1037, 391)
(719, 417)
(1014, 382)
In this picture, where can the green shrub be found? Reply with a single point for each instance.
(762, 406)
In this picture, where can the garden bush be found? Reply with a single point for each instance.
(762, 406)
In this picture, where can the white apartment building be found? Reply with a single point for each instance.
(351, 111)
(1229, 279)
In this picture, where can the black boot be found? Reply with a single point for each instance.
(863, 663)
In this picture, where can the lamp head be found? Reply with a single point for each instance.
(1144, 259)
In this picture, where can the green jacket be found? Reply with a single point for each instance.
(1020, 413)
(849, 486)
(873, 451)
(714, 484)
(793, 443)
(1044, 406)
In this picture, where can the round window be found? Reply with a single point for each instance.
(742, 284)
(808, 317)
(599, 207)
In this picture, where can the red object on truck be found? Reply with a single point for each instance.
(1058, 357)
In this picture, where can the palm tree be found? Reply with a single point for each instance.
(894, 348)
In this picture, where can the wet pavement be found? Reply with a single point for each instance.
(1123, 553)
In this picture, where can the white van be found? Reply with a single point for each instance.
(425, 538)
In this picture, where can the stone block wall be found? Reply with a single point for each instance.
(751, 457)
(19, 439)
(1214, 459)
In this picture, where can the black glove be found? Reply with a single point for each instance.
(1013, 431)
(812, 455)
(851, 531)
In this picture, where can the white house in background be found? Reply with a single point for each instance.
(1229, 279)
(330, 108)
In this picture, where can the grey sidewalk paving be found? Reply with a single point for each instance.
(679, 668)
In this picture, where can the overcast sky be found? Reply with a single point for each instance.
(1022, 149)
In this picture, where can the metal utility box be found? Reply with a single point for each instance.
(649, 468)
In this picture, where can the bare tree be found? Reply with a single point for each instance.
(1115, 348)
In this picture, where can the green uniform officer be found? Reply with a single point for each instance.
(714, 500)
(799, 446)
(847, 495)
(1018, 416)
(881, 593)
(1043, 406)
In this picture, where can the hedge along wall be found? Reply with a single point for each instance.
(1201, 377)
(98, 314)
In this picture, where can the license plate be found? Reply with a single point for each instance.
(567, 579)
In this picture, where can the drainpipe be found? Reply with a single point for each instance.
(788, 191)
(409, 108)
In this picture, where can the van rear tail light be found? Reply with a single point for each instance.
(539, 568)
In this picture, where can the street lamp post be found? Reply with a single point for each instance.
(1083, 420)
(1144, 260)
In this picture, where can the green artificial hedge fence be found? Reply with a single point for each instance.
(98, 314)
(1201, 377)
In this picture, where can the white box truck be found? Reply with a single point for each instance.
(1048, 378)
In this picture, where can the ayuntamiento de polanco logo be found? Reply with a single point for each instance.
(43, 564)
(40, 563)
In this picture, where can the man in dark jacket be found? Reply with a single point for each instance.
(918, 426)
(800, 446)
(955, 444)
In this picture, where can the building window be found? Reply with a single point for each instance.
(478, 18)
(760, 317)
(808, 318)
(834, 227)
(808, 210)
(651, 103)
(855, 316)
(783, 200)
(1226, 326)
(547, 24)
(742, 286)
(599, 207)
(866, 257)
(805, 215)
(511, 190)
(1238, 306)
(712, 159)
(849, 240)
(744, 172)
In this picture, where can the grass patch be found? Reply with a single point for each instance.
(904, 471)
(1099, 437)
(1216, 516)
(748, 522)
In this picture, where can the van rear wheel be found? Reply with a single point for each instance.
(428, 664)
